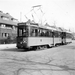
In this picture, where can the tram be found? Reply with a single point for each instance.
(31, 35)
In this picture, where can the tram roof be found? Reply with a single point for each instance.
(62, 29)
(67, 31)
(53, 28)
(32, 25)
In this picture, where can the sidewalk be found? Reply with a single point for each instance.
(7, 46)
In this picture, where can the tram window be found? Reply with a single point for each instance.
(55, 33)
(50, 34)
(39, 32)
(47, 33)
(42, 32)
(25, 31)
(59, 34)
(20, 32)
(34, 32)
(68, 35)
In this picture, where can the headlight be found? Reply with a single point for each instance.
(24, 41)
(20, 42)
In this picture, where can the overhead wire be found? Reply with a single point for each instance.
(64, 12)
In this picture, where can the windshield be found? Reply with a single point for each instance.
(23, 31)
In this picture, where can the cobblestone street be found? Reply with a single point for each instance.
(54, 61)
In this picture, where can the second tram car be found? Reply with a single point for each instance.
(66, 36)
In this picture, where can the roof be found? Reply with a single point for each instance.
(52, 27)
(37, 25)
(6, 18)
(62, 29)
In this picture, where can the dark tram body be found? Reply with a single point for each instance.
(30, 35)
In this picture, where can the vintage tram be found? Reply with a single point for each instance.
(31, 35)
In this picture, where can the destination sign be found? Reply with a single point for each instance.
(21, 24)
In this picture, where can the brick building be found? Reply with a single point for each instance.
(8, 26)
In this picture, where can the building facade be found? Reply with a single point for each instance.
(8, 27)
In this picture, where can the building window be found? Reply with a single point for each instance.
(5, 34)
(13, 27)
(8, 26)
(3, 25)
(4, 18)
(14, 20)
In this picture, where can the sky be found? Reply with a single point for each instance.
(55, 12)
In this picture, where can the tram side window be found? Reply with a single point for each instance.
(42, 33)
(50, 33)
(47, 33)
(68, 35)
(56, 34)
(34, 32)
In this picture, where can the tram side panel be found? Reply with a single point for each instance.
(40, 41)
(40, 36)
(57, 38)
(68, 38)
(57, 41)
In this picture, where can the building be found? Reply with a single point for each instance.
(8, 27)
(73, 36)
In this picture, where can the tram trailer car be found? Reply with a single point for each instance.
(56, 36)
(66, 37)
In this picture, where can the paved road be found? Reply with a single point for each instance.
(55, 61)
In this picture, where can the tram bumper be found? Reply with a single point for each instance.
(21, 45)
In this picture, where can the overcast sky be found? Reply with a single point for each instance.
(60, 12)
